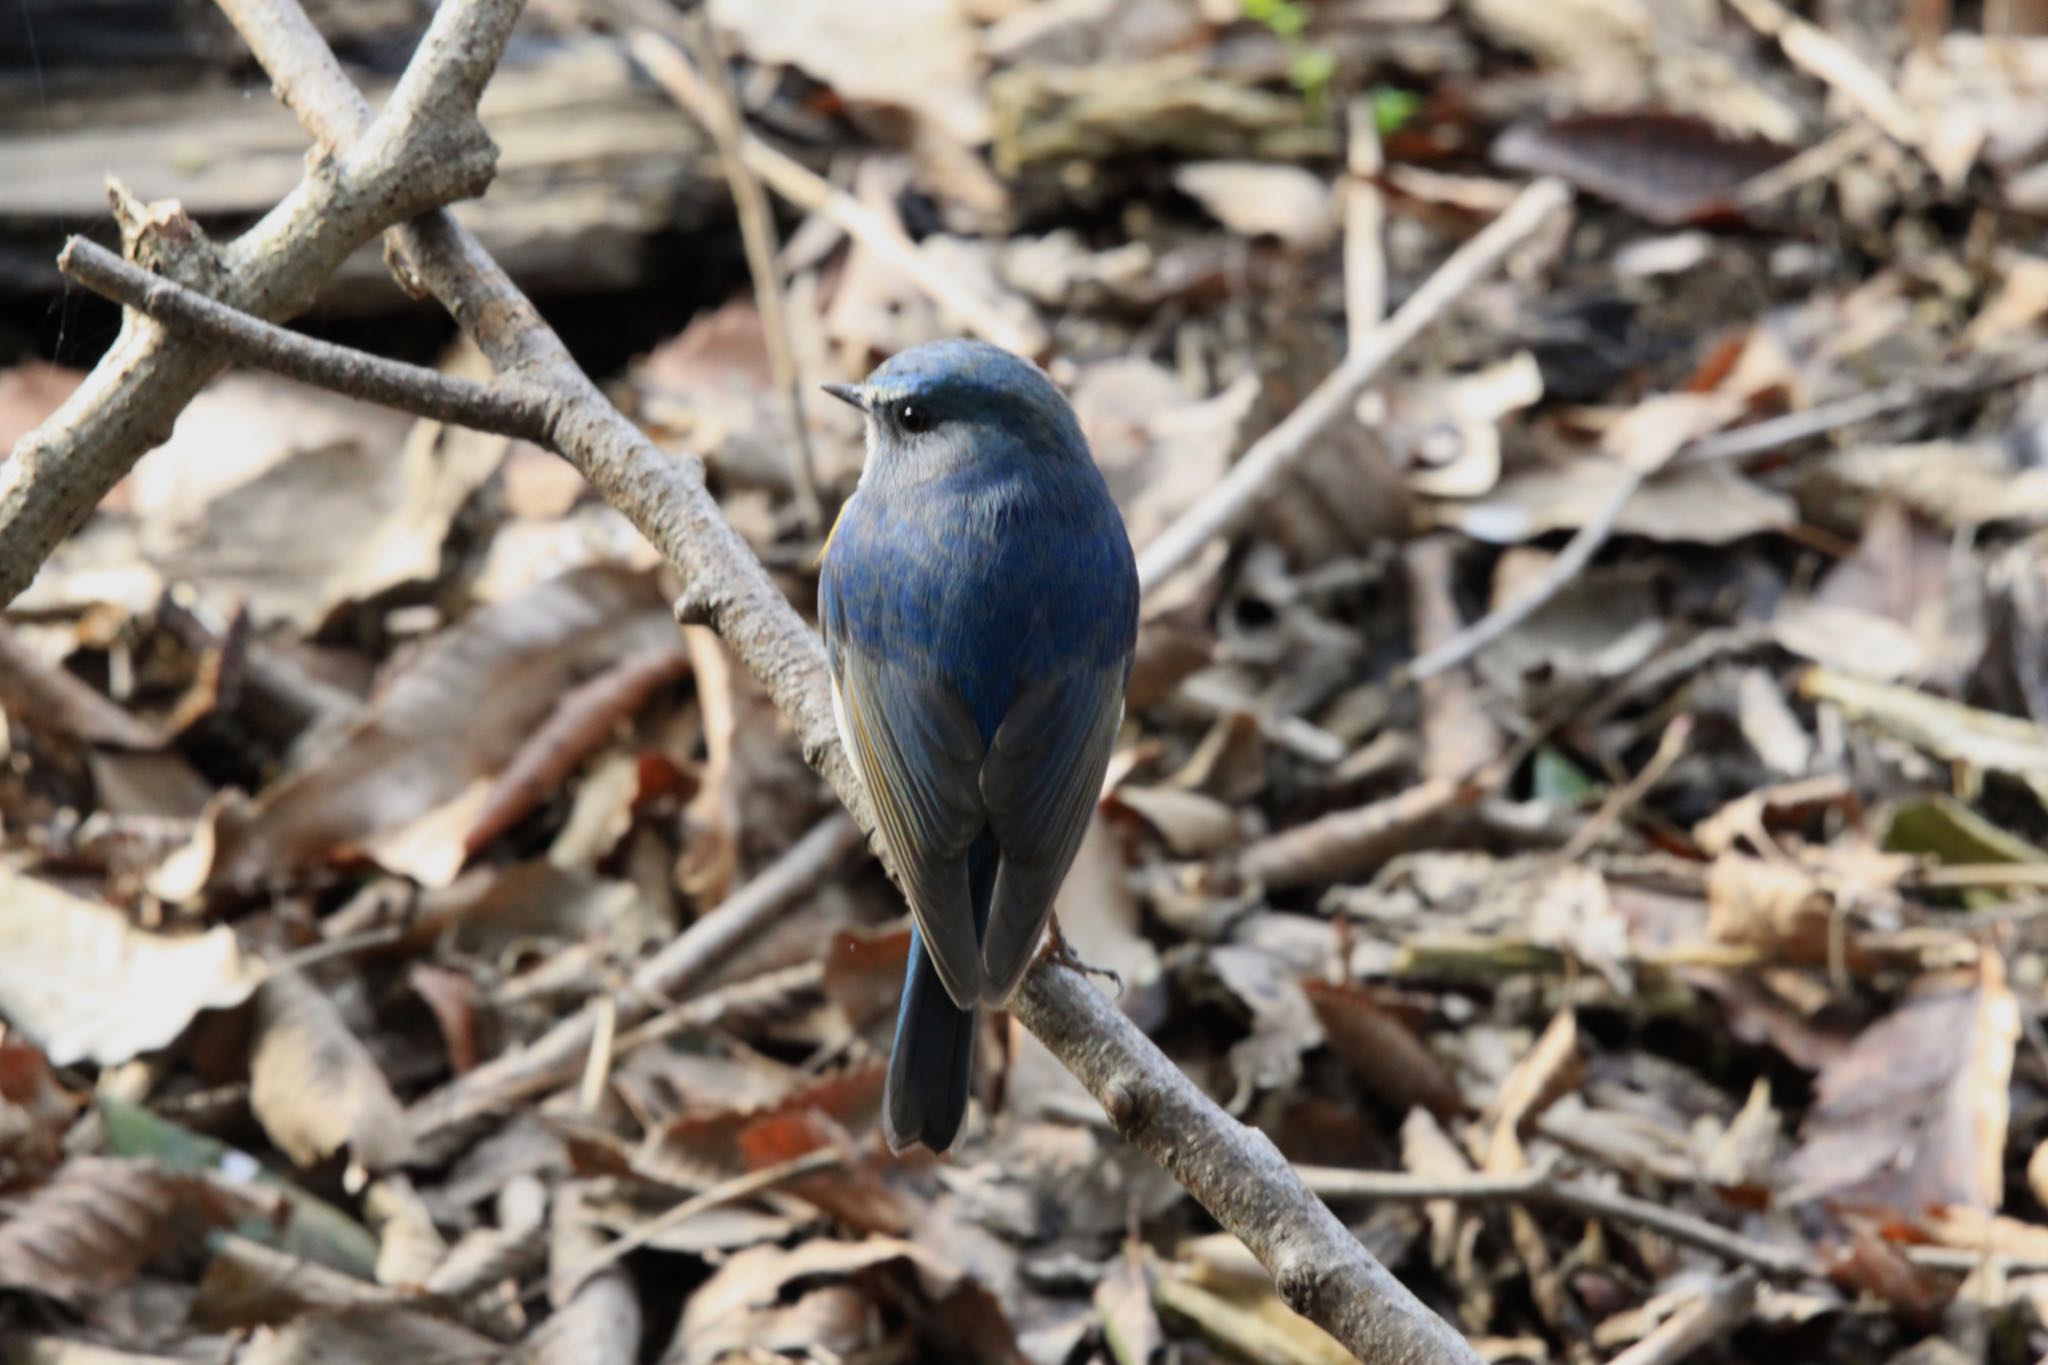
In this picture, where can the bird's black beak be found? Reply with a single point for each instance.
(848, 393)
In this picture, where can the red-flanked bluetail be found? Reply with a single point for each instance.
(980, 605)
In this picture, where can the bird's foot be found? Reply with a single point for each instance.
(1058, 950)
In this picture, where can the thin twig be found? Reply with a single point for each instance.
(1541, 1188)
(1670, 747)
(1365, 216)
(758, 238)
(507, 409)
(725, 1192)
(1257, 473)
(1704, 1321)
(557, 1056)
(813, 193)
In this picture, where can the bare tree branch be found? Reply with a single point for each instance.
(1234, 1171)
(427, 149)
(506, 409)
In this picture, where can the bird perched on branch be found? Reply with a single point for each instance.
(980, 606)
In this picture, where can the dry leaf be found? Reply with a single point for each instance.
(1283, 1023)
(1160, 447)
(248, 1284)
(355, 1335)
(1775, 907)
(34, 1112)
(98, 1222)
(87, 985)
(1693, 504)
(1446, 433)
(1393, 1064)
(1262, 199)
(1550, 1069)
(1123, 1300)
(1915, 1112)
(1669, 169)
(864, 55)
(408, 783)
(313, 1084)
(1193, 825)
(1946, 729)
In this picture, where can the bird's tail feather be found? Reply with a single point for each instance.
(931, 1066)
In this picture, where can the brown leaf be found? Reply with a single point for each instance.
(313, 1084)
(1396, 1067)
(90, 1229)
(1773, 906)
(739, 1308)
(86, 984)
(1915, 1112)
(34, 1112)
(1670, 169)
(248, 1284)
(407, 783)
(355, 1335)
(581, 720)
(452, 996)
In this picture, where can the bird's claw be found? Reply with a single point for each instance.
(1060, 952)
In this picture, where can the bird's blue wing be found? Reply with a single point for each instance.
(1040, 782)
(915, 746)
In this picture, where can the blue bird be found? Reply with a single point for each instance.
(979, 603)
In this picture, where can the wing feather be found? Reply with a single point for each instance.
(915, 746)
(1040, 782)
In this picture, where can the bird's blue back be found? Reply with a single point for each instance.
(990, 577)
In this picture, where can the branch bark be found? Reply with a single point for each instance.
(426, 150)
(1234, 1171)
(507, 409)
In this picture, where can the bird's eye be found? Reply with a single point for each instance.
(914, 418)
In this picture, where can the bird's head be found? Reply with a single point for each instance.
(947, 405)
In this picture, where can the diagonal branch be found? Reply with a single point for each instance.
(426, 150)
(507, 409)
(1233, 1170)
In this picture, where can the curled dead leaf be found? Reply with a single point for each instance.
(313, 1084)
